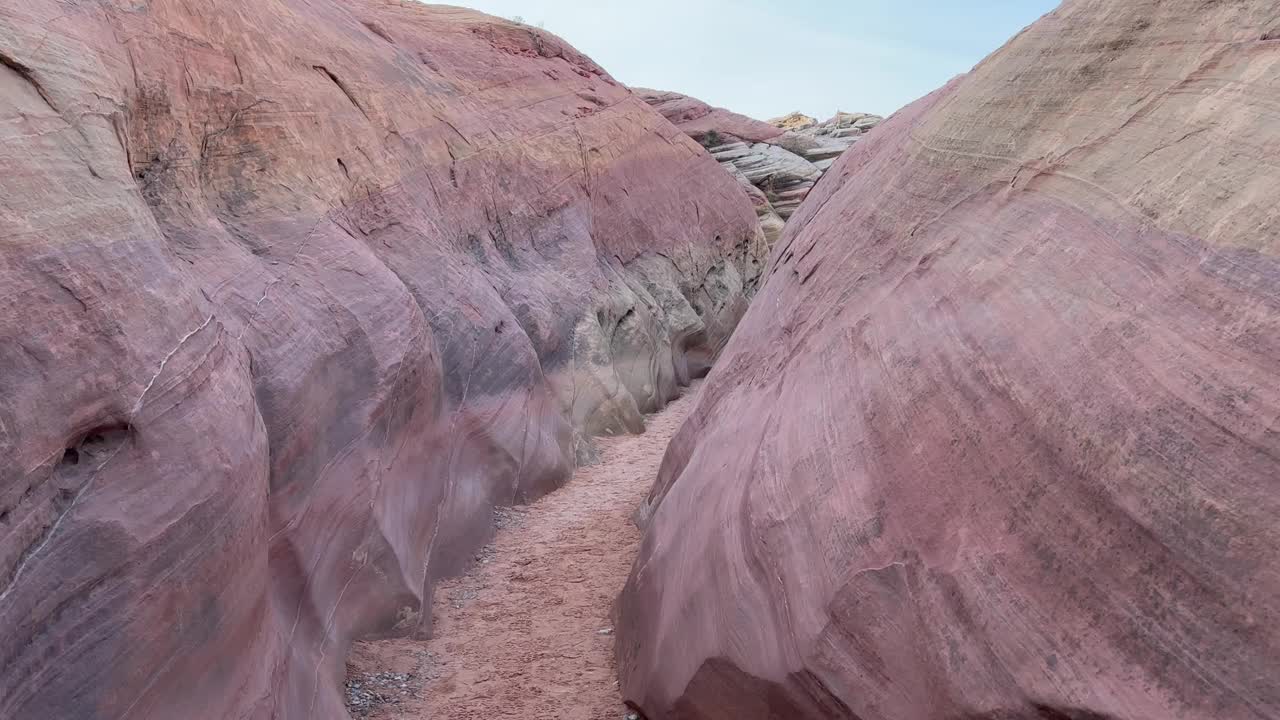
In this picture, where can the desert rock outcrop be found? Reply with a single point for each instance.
(777, 163)
(999, 437)
(294, 294)
(794, 121)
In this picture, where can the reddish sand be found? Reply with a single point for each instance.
(528, 633)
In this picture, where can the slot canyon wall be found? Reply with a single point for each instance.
(778, 162)
(295, 292)
(999, 438)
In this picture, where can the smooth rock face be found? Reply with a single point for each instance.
(780, 161)
(1000, 437)
(295, 293)
(698, 119)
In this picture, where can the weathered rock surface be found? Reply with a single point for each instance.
(999, 437)
(294, 294)
(698, 119)
(777, 162)
(794, 121)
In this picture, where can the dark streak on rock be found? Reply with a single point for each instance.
(26, 74)
(376, 29)
(343, 87)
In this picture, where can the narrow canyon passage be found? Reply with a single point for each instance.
(528, 632)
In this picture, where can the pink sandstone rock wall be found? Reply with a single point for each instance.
(295, 292)
(698, 119)
(1000, 436)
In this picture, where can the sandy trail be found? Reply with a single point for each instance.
(527, 633)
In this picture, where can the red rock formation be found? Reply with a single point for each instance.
(698, 119)
(294, 293)
(999, 437)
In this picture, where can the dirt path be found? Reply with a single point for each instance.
(527, 633)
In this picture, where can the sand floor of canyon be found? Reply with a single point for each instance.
(528, 632)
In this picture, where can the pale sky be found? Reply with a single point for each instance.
(766, 58)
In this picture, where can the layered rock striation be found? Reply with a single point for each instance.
(777, 163)
(294, 294)
(999, 437)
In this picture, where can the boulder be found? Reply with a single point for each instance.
(998, 439)
(295, 293)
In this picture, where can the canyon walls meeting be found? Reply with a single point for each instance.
(777, 163)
